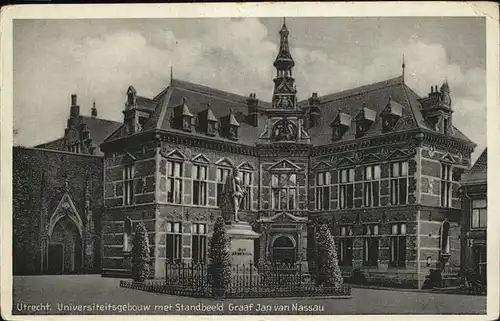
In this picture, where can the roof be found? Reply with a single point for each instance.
(198, 98)
(375, 97)
(98, 129)
(400, 98)
(478, 172)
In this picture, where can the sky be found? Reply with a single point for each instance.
(98, 59)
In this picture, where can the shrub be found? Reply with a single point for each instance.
(328, 271)
(140, 254)
(358, 277)
(220, 262)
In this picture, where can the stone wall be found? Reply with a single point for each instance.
(39, 178)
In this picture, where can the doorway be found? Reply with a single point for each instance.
(56, 258)
(283, 250)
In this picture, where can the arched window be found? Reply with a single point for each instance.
(445, 237)
(127, 235)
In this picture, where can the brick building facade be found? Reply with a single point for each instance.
(378, 163)
(474, 217)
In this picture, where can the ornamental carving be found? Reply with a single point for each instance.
(284, 130)
(384, 153)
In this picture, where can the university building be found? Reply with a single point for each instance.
(381, 165)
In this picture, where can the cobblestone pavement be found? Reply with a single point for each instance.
(92, 294)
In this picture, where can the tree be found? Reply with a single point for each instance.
(220, 263)
(140, 254)
(328, 265)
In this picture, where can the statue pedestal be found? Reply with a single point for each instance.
(242, 252)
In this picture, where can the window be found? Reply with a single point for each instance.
(199, 242)
(199, 185)
(398, 244)
(478, 219)
(74, 148)
(246, 180)
(127, 235)
(222, 174)
(344, 245)
(128, 185)
(346, 188)
(445, 185)
(399, 183)
(174, 241)
(371, 185)
(284, 190)
(174, 181)
(479, 257)
(323, 182)
(370, 244)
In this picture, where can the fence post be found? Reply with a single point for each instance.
(251, 278)
(183, 274)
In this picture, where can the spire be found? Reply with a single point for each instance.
(284, 87)
(171, 73)
(284, 60)
(93, 112)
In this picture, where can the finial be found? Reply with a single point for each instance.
(284, 20)
(403, 67)
(171, 73)
(93, 112)
(184, 99)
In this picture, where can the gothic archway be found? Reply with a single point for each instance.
(64, 253)
(64, 239)
(283, 250)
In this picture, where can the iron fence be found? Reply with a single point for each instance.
(268, 280)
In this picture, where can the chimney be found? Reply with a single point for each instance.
(253, 114)
(74, 109)
(314, 112)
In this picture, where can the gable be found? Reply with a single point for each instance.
(284, 217)
(321, 166)
(398, 153)
(448, 158)
(371, 158)
(346, 161)
(200, 158)
(284, 165)
(175, 154)
(128, 158)
(246, 166)
(224, 162)
(66, 207)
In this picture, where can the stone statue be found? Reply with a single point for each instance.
(233, 194)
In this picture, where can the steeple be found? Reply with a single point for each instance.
(284, 60)
(284, 88)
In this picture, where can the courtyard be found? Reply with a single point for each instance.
(91, 294)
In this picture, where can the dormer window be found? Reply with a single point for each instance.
(340, 125)
(391, 114)
(183, 116)
(211, 128)
(207, 122)
(364, 120)
(230, 126)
